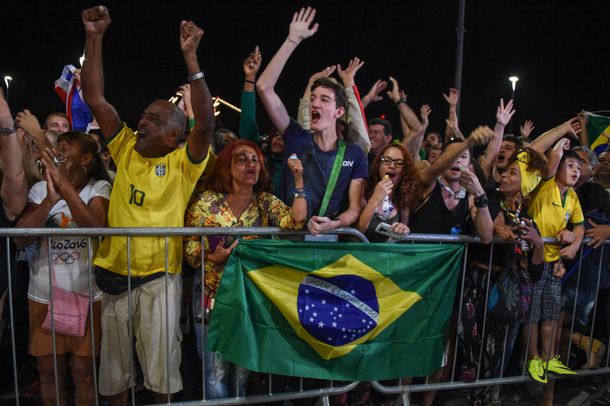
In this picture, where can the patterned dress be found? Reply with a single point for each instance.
(210, 209)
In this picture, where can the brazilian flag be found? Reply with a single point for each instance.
(596, 126)
(343, 311)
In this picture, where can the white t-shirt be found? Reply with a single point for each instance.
(69, 256)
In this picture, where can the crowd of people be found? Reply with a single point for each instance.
(331, 167)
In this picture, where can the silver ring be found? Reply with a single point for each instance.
(56, 161)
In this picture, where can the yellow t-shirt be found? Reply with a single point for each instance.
(552, 213)
(147, 192)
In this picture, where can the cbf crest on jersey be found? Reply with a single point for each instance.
(160, 169)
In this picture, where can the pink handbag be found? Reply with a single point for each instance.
(69, 311)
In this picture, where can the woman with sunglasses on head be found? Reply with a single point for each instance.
(390, 192)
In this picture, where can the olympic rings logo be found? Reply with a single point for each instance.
(65, 257)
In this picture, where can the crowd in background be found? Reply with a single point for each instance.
(330, 167)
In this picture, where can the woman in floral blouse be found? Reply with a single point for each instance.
(238, 197)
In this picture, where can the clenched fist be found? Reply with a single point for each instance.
(96, 20)
(190, 35)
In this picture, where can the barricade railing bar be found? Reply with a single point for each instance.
(401, 390)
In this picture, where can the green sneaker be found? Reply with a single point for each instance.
(558, 367)
(536, 370)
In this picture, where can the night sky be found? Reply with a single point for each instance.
(557, 48)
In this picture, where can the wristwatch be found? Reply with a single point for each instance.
(481, 201)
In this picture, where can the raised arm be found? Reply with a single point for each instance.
(298, 31)
(452, 121)
(247, 119)
(479, 136)
(503, 116)
(399, 98)
(584, 133)
(14, 187)
(96, 20)
(554, 158)
(570, 128)
(200, 137)
(303, 113)
(374, 93)
(356, 120)
(30, 124)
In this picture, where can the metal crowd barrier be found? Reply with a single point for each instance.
(402, 390)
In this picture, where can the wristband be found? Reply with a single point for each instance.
(403, 100)
(250, 81)
(8, 130)
(293, 41)
(481, 201)
(299, 193)
(196, 76)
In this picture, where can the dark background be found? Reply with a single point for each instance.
(557, 48)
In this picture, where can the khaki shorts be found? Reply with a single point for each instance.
(149, 329)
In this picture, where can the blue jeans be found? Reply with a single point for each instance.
(220, 375)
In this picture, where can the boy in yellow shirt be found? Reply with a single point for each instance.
(554, 204)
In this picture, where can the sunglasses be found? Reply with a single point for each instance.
(386, 160)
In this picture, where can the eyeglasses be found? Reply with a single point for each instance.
(386, 160)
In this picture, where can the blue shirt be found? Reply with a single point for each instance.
(317, 167)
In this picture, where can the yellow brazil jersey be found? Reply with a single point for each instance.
(552, 213)
(147, 192)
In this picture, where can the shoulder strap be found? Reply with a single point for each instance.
(332, 181)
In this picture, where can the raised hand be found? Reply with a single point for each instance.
(347, 75)
(562, 145)
(190, 35)
(527, 128)
(28, 122)
(504, 113)
(572, 128)
(395, 94)
(424, 113)
(373, 94)
(453, 97)
(252, 63)
(480, 136)
(96, 20)
(324, 73)
(299, 27)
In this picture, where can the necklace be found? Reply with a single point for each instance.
(460, 194)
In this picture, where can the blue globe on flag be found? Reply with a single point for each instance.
(337, 310)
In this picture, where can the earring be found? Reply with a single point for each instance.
(84, 169)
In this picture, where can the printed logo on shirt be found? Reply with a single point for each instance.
(160, 169)
(568, 215)
(348, 163)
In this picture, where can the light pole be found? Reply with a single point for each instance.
(7, 82)
(513, 80)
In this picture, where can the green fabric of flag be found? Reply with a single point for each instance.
(343, 311)
(596, 125)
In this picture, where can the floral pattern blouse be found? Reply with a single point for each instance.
(211, 209)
